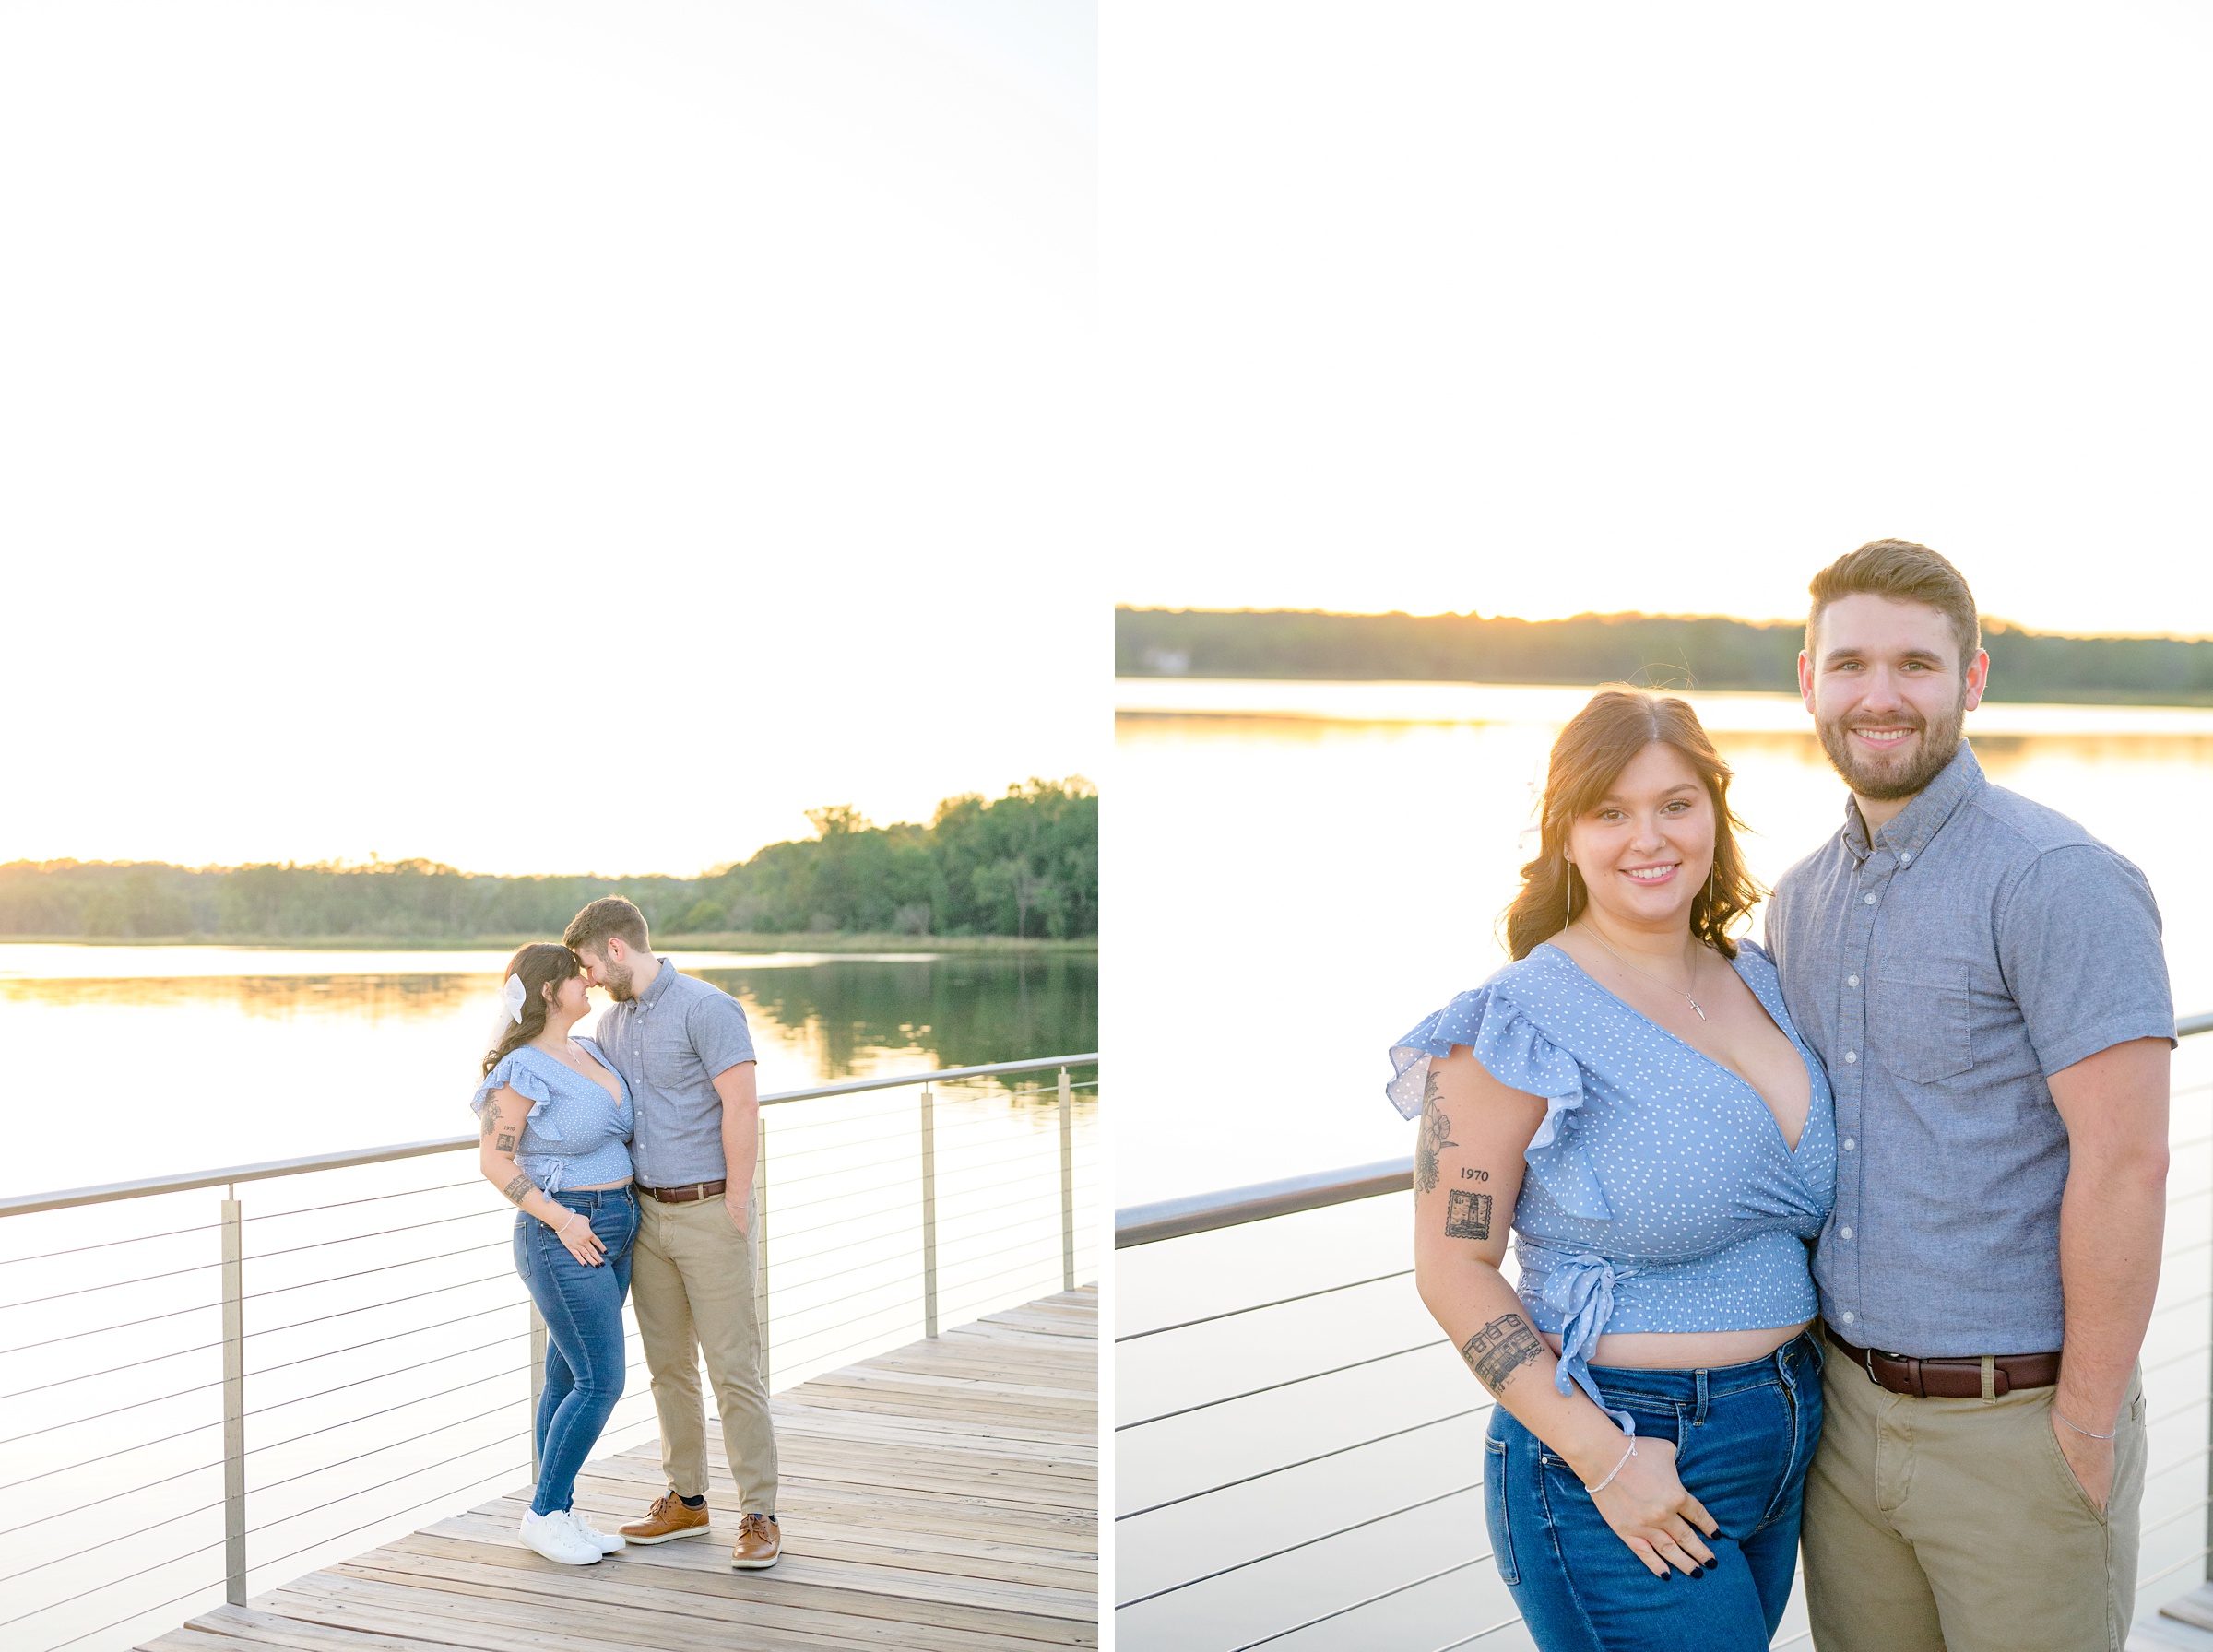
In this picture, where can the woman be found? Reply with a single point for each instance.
(556, 1117)
(1630, 1093)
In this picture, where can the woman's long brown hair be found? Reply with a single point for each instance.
(1596, 746)
(540, 964)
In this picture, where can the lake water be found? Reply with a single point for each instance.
(1311, 867)
(1308, 869)
(387, 1336)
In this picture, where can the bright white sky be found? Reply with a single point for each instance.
(541, 436)
(1539, 309)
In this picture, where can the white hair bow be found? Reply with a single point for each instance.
(512, 996)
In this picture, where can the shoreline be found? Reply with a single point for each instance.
(982, 945)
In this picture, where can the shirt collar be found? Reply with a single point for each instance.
(651, 994)
(1915, 825)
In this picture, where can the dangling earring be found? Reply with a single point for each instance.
(1568, 882)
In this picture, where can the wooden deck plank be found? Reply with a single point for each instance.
(939, 1497)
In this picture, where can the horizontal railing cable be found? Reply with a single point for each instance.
(1356, 1605)
(78, 1250)
(1396, 1353)
(1185, 1324)
(380, 1485)
(2181, 1462)
(1304, 1543)
(1305, 1462)
(188, 1593)
(217, 1383)
(2175, 1359)
(1468, 1640)
(2187, 1560)
(148, 1279)
(506, 1276)
(372, 1198)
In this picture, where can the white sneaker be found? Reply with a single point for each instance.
(608, 1541)
(555, 1537)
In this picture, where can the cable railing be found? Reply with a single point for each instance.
(194, 1407)
(1285, 1396)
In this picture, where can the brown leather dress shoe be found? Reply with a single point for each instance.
(759, 1543)
(667, 1520)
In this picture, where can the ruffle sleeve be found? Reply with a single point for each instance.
(1513, 1051)
(514, 1073)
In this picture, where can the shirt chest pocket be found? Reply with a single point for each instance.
(1919, 1029)
(669, 1063)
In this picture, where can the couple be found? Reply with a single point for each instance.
(1933, 1110)
(668, 1084)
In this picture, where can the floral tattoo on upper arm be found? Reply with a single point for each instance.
(1437, 1130)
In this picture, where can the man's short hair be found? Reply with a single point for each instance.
(609, 918)
(1903, 572)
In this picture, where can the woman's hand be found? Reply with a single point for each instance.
(584, 1244)
(1650, 1512)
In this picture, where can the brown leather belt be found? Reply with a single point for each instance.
(1958, 1378)
(683, 1195)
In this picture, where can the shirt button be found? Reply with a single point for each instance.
(1845, 1231)
(1905, 860)
(1850, 1056)
(1852, 980)
(1870, 897)
(1850, 1144)
(1849, 1316)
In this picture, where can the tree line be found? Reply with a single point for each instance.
(1657, 650)
(1027, 865)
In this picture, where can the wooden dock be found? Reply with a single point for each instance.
(942, 1497)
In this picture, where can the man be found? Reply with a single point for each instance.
(684, 1048)
(1985, 981)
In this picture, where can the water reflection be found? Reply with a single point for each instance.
(338, 1050)
(843, 1015)
(958, 1011)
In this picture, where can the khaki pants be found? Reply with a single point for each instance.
(692, 1279)
(1956, 1525)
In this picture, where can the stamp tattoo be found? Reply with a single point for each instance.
(1467, 1214)
(1500, 1348)
(517, 1189)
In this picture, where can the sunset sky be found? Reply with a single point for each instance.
(1540, 309)
(540, 436)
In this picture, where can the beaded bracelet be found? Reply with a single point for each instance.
(1603, 1484)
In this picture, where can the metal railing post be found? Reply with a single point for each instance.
(1068, 1188)
(234, 1402)
(537, 1380)
(760, 1225)
(930, 1214)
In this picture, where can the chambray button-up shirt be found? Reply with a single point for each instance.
(670, 1043)
(1943, 968)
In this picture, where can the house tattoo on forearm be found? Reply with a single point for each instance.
(1500, 1348)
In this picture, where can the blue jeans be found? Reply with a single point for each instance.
(1743, 1435)
(583, 1310)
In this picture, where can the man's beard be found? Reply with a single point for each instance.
(1887, 782)
(615, 979)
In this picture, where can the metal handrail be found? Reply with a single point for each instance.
(937, 1133)
(25, 1204)
(1234, 1207)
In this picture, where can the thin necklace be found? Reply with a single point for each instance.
(1655, 980)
